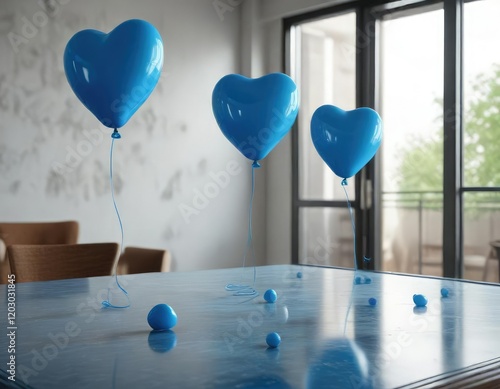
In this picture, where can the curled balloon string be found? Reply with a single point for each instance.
(247, 290)
(107, 303)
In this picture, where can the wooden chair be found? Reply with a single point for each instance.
(65, 232)
(55, 262)
(136, 260)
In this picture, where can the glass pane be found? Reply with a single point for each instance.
(481, 93)
(326, 237)
(481, 227)
(412, 158)
(415, 242)
(326, 75)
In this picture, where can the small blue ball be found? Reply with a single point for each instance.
(273, 339)
(368, 280)
(270, 296)
(162, 317)
(299, 274)
(358, 280)
(420, 300)
(372, 301)
(445, 292)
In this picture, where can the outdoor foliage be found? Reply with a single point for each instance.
(421, 167)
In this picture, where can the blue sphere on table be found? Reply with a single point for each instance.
(445, 292)
(420, 300)
(299, 274)
(372, 301)
(270, 296)
(273, 339)
(162, 317)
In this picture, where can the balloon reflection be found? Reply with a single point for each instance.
(340, 364)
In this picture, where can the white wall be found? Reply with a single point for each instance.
(168, 149)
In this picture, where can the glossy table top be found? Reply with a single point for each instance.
(65, 340)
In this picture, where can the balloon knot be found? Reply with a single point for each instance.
(344, 182)
(116, 134)
(256, 164)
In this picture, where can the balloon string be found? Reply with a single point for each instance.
(107, 303)
(247, 290)
(344, 184)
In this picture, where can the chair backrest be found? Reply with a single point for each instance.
(136, 260)
(65, 232)
(495, 245)
(55, 262)
(39, 233)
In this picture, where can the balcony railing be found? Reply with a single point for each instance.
(418, 228)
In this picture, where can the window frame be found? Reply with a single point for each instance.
(367, 220)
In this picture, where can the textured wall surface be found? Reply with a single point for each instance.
(179, 183)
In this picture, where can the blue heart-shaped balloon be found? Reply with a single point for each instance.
(346, 140)
(113, 74)
(255, 114)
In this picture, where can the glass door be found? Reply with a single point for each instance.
(481, 140)
(411, 105)
(323, 64)
(429, 203)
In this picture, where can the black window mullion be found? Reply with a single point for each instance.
(452, 144)
(286, 65)
(365, 97)
(295, 194)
